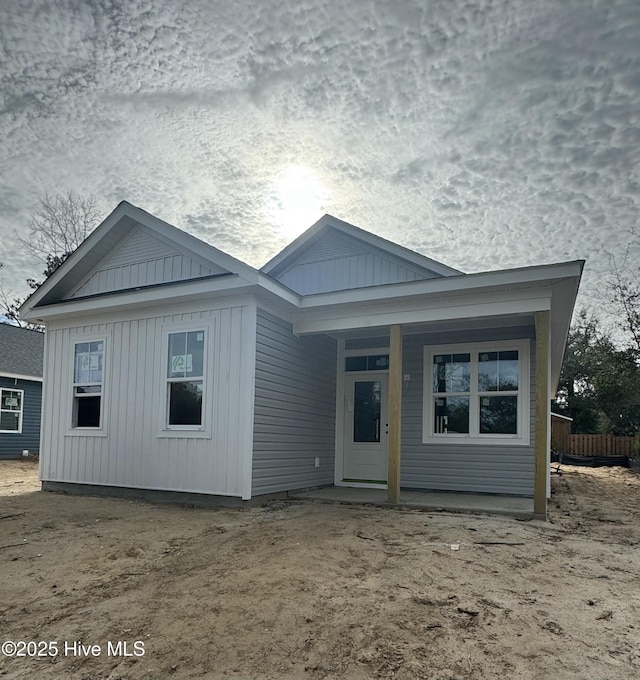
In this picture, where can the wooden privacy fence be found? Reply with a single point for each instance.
(600, 445)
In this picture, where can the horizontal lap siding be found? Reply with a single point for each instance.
(294, 414)
(449, 467)
(135, 453)
(12, 445)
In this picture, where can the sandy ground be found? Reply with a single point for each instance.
(309, 590)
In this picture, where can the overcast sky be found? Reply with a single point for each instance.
(483, 134)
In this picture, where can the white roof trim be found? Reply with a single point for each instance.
(470, 305)
(151, 296)
(524, 276)
(165, 230)
(362, 235)
(18, 376)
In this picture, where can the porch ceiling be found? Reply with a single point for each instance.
(504, 303)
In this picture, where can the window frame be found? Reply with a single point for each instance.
(84, 430)
(203, 430)
(475, 437)
(21, 412)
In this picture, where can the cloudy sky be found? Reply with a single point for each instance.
(487, 134)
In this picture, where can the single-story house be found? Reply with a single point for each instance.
(345, 360)
(21, 352)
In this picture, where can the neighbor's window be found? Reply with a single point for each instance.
(87, 383)
(11, 410)
(185, 379)
(473, 393)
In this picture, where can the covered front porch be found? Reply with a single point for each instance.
(391, 445)
(425, 460)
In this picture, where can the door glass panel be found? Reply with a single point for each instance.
(366, 411)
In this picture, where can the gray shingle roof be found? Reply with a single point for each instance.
(21, 351)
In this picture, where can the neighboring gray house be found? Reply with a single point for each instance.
(21, 352)
(345, 360)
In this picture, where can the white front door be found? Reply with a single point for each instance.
(366, 427)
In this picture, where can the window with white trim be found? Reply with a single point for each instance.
(477, 392)
(88, 373)
(11, 402)
(185, 379)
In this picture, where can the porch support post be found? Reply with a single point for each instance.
(542, 414)
(395, 413)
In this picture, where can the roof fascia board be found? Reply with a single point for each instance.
(19, 376)
(410, 311)
(564, 295)
(149, 297)
(279, 290)
(539, 274)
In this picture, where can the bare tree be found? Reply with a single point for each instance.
(57, 227)
(9, 305)
(625, 290)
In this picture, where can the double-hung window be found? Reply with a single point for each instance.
(11, 410)
(185, 379)
(477, 393)
(88, 375)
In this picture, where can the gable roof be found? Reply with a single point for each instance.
(73, 277)
(21, 352)
(419, 290)
(327, 223)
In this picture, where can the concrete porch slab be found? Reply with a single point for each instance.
(485, 504)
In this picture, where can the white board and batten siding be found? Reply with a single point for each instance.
(134, 448)
(143, 260)
(295, 407)
(340, 262)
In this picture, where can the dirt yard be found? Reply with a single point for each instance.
(309, 590)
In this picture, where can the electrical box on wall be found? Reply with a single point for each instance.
(317, 462)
